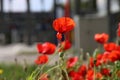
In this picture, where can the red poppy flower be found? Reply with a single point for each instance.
(82, 70)
(46, 48)
(71, 62)
(105, 57)
(90, 75)
(66, 44)
(99, 75)
(72, 73)
(118, 30)
(59, 36)
(114, 55)
(63, 24)
(75, 75)
(91, 63)
(105, 71)
(41, 59)
(99, 56)
(98, 63)
(118, 48)
(102, 58)
(44, 77)
(101, 38)
(110, 46)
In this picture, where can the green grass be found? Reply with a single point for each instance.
(15, 71)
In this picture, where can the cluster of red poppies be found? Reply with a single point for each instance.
(103, 66)
(48, 48)
(62, 26)
(45, 49)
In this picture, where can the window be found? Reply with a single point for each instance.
(41, 5)
(21, 5)
(35, 5)
(115, 6)
(15, 5)
(6, 5)
(86, 6)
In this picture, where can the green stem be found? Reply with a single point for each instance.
(114, 73)
(39, 70)
(31, 76)
(63, 68)
(66, 74)
(48, 71)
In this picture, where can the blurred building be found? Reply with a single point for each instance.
(26, 21)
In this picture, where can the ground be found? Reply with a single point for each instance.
(19, 52)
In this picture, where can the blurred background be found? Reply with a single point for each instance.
(23, 23)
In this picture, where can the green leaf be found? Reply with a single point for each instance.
(61, 54)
